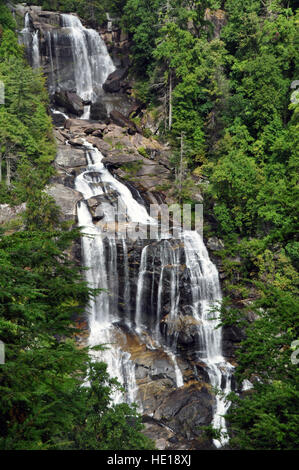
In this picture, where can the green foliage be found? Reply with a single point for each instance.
(229, 96)
(6, 19)
(267, 416)
(43, 402)
(27, 145)
(140, 19)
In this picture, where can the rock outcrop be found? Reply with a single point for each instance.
(11, 217)
(69, 101)
(115, 81)
(66, 199)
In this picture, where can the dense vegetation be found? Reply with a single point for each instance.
(43, 401)
(226, 94)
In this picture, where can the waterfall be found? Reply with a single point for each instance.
(30, 38)
(35, 50)
(153, 308)
(100, 255)
(91, 62)
(206, 296)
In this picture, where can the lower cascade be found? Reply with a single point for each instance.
(140, 313)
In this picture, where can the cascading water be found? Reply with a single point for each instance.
(206, 297)
(30, 38)
(91, 62)
(152, 308)
(100, 255)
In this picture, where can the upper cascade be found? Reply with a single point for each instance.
(91, 63)
(75, 59)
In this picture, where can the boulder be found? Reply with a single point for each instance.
(70, 157)
(95, 203)
(113, 84)
(83, 126)
(215, 244)
(9, 213)
(118, 159)
(58, 118)
(135, 110)
(66, 199)
(120, 120)
(59, 137)
(70, 101)
(186, 410)
(100, 144)
(95, 129)
(76, 142)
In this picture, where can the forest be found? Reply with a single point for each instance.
(230, 95)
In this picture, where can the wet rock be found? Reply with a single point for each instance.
(96, 203)
(114, 82)
(231, 337)
(98, 112)
(58, 119)
(70, 101)
(186, 410)
(185, 328)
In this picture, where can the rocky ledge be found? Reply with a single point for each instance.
(133, 158)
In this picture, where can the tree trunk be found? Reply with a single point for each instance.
(181, 167)
(170, 101)
(8, 171)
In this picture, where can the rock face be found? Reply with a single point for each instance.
(70, 157)
(10, 215)
(218, 19)
(114, 82)
(70, 101)
(120, 120)
(66, 199)
(123, 153)
(98, 111)
(215, 244)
